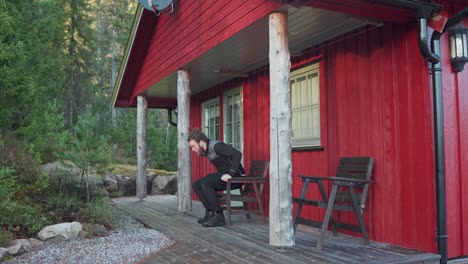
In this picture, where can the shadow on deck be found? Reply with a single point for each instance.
(247, 241)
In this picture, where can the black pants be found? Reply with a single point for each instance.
(206, 189)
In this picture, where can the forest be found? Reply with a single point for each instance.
(58, 64)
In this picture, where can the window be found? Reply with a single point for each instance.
(305, 106)
(210, 118)
(232, 102)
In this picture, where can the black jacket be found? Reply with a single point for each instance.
(225, 158)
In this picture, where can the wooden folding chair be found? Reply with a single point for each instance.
(348, 193)
(250, 192)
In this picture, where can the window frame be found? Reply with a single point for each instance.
(227, 93)
(204, 105)
(313, 66)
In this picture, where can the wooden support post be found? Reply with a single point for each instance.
(142, 107)
(281, 223)
(184, 168)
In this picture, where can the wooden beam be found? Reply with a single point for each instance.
(281, 223)
(184, 172)
(142, 107)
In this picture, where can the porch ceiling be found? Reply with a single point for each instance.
(248, 49)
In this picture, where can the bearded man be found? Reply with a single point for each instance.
(227, 161)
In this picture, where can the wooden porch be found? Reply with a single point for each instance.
(247, 241)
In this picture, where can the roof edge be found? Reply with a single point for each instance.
(128, 48)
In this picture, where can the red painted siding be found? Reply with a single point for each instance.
(195, 28)
(377, 103)
(455, 94)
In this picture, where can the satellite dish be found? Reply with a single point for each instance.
(161, 4)
(157, 6)
(147, 4)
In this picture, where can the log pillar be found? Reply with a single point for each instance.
(142, 158)
(281, 222)
(184, 168)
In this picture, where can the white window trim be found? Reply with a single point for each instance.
(230, 93)
(299, 143)
(207, 104)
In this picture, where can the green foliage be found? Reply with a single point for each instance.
(24, 165)
(98, 212)
(49, 120)
(21, 219)
(94, 230)
(63, 208)
(8, 183)
(87, 148)
(61, 182)
(5, 236)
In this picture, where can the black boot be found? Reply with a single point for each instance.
(217, 220)
(208, 216)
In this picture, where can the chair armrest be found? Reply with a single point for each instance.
(315, 178)
(349, 180)
(246, 179)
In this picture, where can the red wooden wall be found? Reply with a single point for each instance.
(195, 28)
(455, 92)
(377, 103)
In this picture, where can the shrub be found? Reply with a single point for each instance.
(22, 220)
(94, 230)
(61, 182)
(8, 183)
(25, 167)
(98, 212)
(5, 236)
(63, 208)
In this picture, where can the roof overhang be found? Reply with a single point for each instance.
(245, 52)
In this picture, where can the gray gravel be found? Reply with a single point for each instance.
(129, 243)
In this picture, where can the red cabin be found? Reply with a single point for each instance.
(364, 81)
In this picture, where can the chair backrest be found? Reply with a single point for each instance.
(258, 168)
(359, 168)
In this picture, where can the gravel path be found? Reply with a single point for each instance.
(129, 243)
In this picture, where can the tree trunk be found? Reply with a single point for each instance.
(141, 147)
(281, 224)
(184, 173)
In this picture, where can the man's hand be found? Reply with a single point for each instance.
(226, 177)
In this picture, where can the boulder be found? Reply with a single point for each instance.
(114, 185)
(18, 246)
(164, 185)
(35, 243)
(60, 232)
(3, 253)
(128, 185)
(53, 167)
(110, 183)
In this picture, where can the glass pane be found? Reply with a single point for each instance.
(459, 41)
(305, 107)
(465, 46)
(316, 122)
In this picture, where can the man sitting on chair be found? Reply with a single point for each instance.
(227, 161)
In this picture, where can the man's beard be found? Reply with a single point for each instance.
(201, 152)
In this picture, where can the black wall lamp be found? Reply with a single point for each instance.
(458, 48)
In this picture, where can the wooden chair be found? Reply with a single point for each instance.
(348, 193)
(250, 192)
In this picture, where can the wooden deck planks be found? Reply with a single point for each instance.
(247, 241)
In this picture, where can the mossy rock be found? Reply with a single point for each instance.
(131, 170)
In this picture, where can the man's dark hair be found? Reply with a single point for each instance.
(197, 135)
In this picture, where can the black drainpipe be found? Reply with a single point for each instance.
(169, 116)
(433, 56)
(439, 135)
